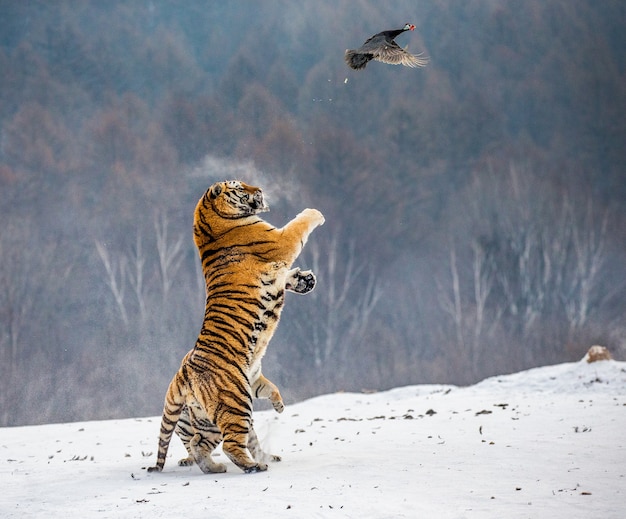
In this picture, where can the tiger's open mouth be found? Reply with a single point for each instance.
(258, 202)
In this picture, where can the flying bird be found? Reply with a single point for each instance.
(382, 47)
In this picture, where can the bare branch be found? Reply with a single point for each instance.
(115, 279)
(170, 256)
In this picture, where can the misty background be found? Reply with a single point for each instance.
(475, 209)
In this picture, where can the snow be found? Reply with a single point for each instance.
(548, 442)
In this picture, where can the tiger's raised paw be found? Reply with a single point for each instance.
(279, 406)
(301, 282)
(314, 215)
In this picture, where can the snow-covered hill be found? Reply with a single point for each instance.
(549, 442)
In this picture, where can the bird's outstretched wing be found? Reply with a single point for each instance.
(393, 54)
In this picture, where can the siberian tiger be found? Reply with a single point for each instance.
(246, 263)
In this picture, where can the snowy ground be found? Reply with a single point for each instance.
(545, 443)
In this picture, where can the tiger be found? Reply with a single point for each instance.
(246, 264)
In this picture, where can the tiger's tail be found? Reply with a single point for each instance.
(171, 413)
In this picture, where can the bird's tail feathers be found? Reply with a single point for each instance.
(355, 60)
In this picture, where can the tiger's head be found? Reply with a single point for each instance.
(233, 199)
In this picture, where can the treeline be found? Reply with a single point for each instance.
(475, 208)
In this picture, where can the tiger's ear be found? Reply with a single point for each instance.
(215, 191)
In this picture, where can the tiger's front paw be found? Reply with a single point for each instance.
(314, 215)
(302, 282)
(279, 406)
(277, 402)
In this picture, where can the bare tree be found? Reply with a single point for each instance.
(17, 301)
(464, 299)
(27, 277)
(136, 275)
(132, 270)
(528, 278)
(451, 301)
(169, 254)
(115, 279)
(588, 248)
(32, 289)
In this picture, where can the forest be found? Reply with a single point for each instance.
(475, 208)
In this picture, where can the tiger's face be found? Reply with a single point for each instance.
(235, 199)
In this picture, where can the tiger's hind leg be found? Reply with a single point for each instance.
(183, 430)
(300, 281)
(236, 448)
(201, 448)
(200, 436)
(255, 449)
(235, 424)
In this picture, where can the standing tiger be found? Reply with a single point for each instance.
(246, 264)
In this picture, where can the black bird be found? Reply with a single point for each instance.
(382, 47)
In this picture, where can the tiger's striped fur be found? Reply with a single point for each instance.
(246, 264)
(208, 435)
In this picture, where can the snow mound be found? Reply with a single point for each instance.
(547, 442)
(598, 377)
